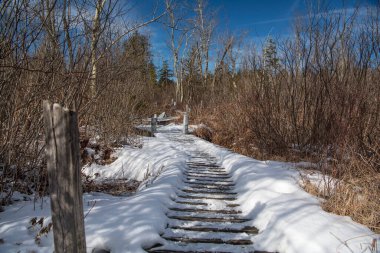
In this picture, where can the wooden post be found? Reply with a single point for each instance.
(186, 123)
(63, 165)
(153, 124)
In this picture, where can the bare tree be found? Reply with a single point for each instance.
(205, 28)
(179, 29)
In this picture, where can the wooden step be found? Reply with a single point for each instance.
(211, 240)
(197, 210)
(206, 160)
(202, 155)
(212, 168)
(195, 165)
(211, 187)
(209, 192)
(223, 174)
(206, 197)
(208, 219)
(191, 203)
(212, 176)
(213, 183)
(207, 169)
(208, 172)
(199, 179)
(202, 251)
(246, 229)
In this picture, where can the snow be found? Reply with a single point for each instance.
(121, 224)
(289, 219)
(90, 151)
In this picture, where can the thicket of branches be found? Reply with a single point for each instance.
(82, 54)
(314, 95)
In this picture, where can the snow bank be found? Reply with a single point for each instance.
(289, 219)
(120, 224)
(134, 163)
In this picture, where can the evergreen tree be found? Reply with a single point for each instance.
(271, 60)
(165, 74)
(152, 73)
(138, 58)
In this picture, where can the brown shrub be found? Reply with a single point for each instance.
(203, 132)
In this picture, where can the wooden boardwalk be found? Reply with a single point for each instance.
(204, 217)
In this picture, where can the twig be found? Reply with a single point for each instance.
(90, 209)
(342, 242)
(345, 242)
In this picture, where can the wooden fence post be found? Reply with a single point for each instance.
(153, 124)
(186, 121)
(63, 164)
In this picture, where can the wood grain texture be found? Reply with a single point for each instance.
(63, 165)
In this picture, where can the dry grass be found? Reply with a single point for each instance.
(356, 195)
(351, 183)
(359, 202)
(113, 187)
(351, 188)
(355, 199)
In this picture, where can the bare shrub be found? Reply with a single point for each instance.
(313, 96)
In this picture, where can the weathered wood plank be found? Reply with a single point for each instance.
(208, 219)
(206, 197)
(191, 203)
(198, 210)
(63, 165)
(214, 183)
(209, 240)
(246, 229)
(209, 192)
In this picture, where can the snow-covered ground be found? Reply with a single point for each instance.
(289, 219)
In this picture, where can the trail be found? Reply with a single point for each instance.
(204, 216)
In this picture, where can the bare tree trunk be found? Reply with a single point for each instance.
(218, 65)
(205, 30)
(176, 42)
(94, 42)
(66, 15)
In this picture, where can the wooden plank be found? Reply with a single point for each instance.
(186, 123)
(209, 192)
(208, 219)
(246, 229)
(197, 251)
(213, 176)
(209, 240)
(207, 170)
(153, 124)
(63, 165)
(214, 183)
(191, 203)
(210, 187)
(210, 180)
(204, 172)
(198, 210)
(206, 197)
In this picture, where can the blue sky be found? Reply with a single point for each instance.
(256, 18)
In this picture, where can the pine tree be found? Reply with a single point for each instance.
(138, 58)
(165, 74)
(152, 73)
(271, 60)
